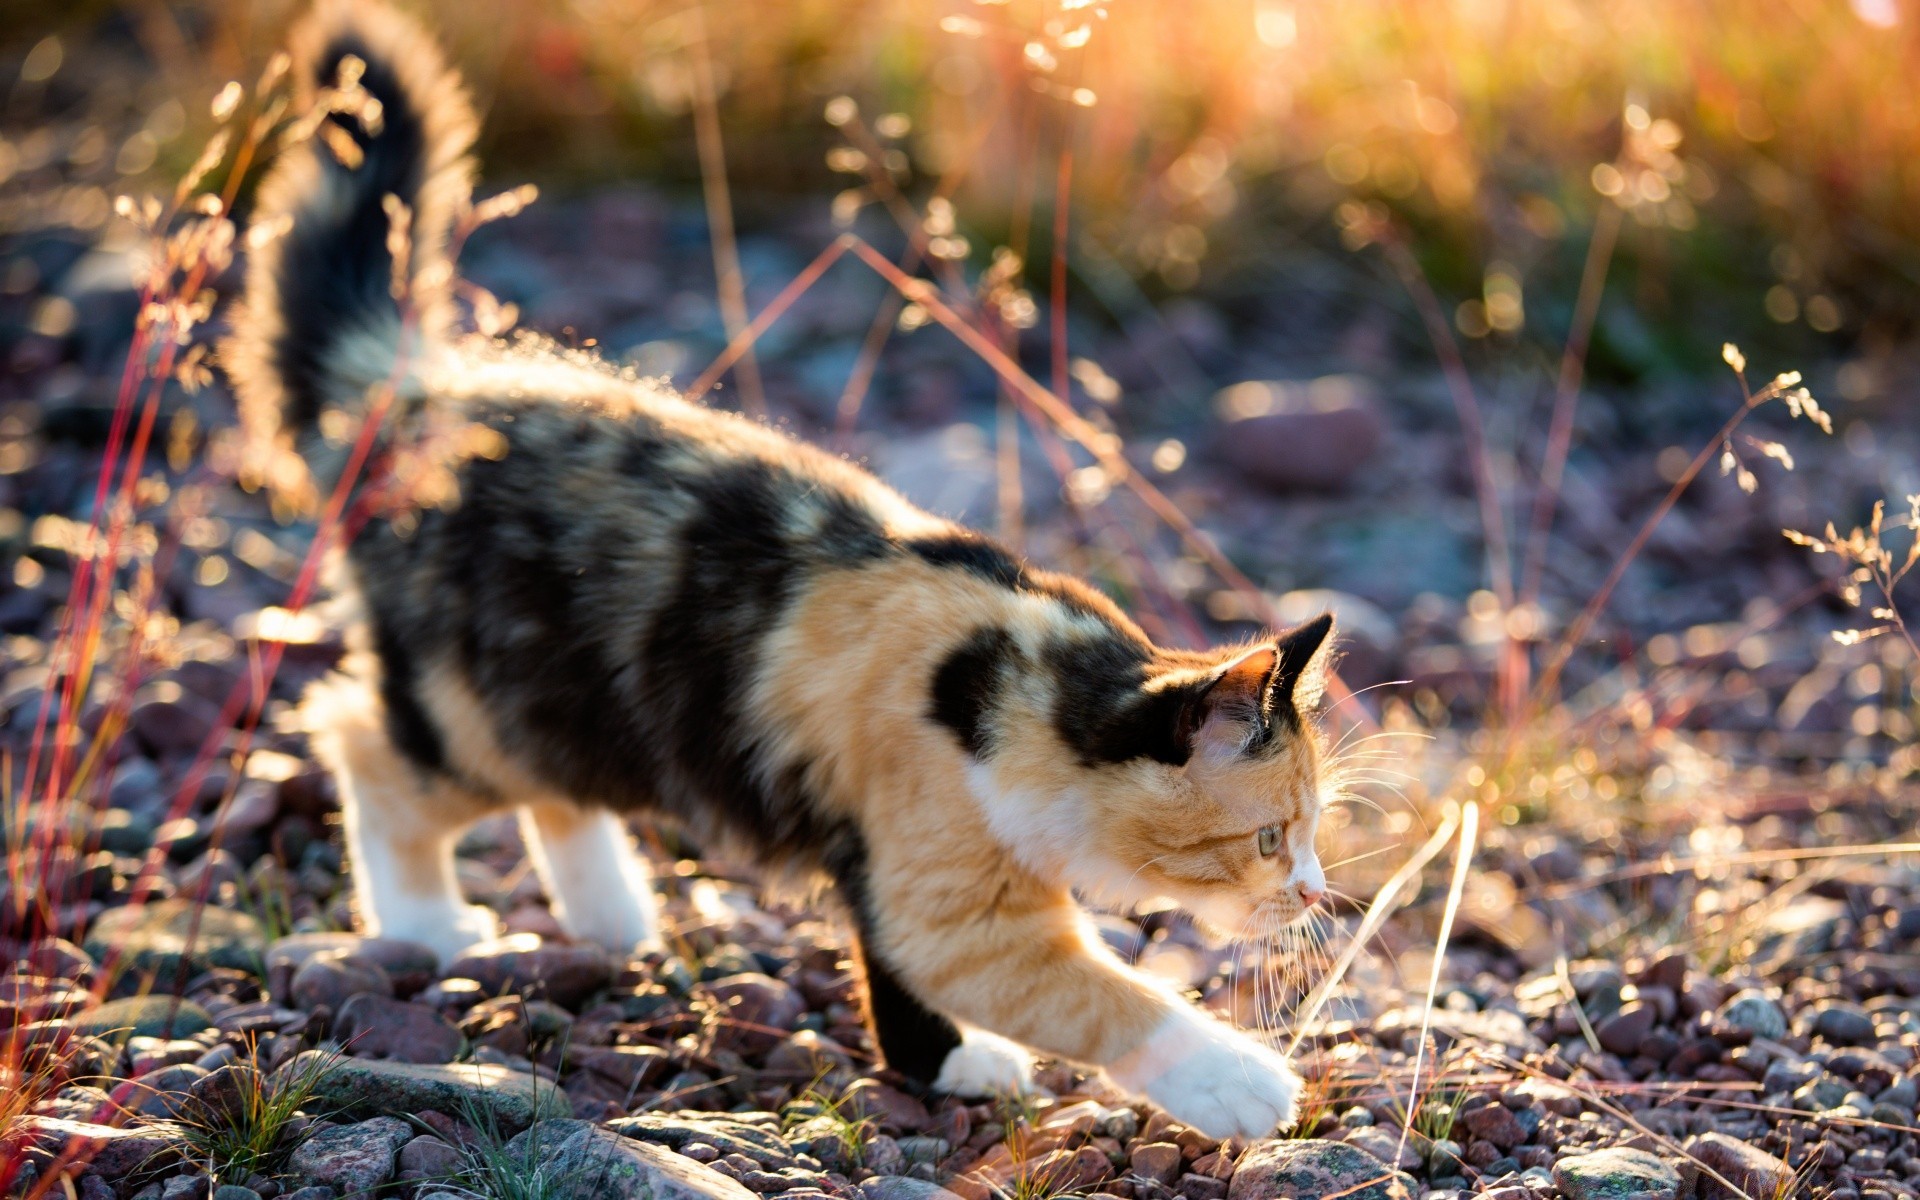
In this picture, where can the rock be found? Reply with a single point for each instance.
(1622, 1032)
(581, 1162)
(1299, 436)
(331, 979)
(168, 937)
(628, 1067)
(1616, 1174)
(432, 1157)
(1386, 1145)
(409, 965)
(903, 1187)
(1752, 1170)
(354, 1086)
(234, 1191)
(353, 1159)
(1158, 1161)
(160, 1094)
(1278, 1170)
(143, 1016)
(725, 1134)
(108, 1151)
(1500, 1125)
(523, 963)
(1842, 1023)
(759, 1010)
(1066, 1171)
(375, 1026)
(1757, 1013)
(172, 721)
(889, 1106)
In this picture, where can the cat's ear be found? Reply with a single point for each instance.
(1305, 661)
(1234, 701)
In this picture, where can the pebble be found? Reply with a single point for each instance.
(525, 964)
(511, 1099)
(152, 1016)
(1307, 1167)
(354, 1160)
(1755, 1012)
(1842, 1023)
(584, 1162)
(1748, 1168)
(1616, 1174)
(331, 979)
(371, 1025)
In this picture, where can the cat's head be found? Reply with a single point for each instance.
(1192, 776)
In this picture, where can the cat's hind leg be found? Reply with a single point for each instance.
(401, 822)
(600, 887)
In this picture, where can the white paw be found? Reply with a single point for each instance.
(1212, 1077)
(985, 1064)
(446, 933)
(623, 926)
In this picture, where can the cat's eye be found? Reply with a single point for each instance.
(1269, 841)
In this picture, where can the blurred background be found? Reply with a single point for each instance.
(1414, 310)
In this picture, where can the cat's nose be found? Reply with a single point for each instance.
(1309, 895)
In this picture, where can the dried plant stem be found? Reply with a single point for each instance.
(741, 344)
(719, 201)
(1462, 860)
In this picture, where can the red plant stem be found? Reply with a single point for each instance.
(742, 342)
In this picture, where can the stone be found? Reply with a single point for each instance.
(1281, 1170)
(1158, 1161)
(1293, 437)
(1066, 1171)
(1386, 1145)
(581, 1162)
(1616, 1174)
(758, 1010)
(1748, 1168)
(353, 1159)
(513, 1100)
(329, 980)
(171, 721)
(143, 1016)
(159, 1094)
(523, 963)
(1842, 1023)
(1755, 1012)
(234, 1191)
(724, 1133)
(889, 1106)
(108, 1151)
(902, 1187)
(409, 965)
(172, 937)
(1498, 1124)
(375, 1026)
(1622, 1032)
(432, 1157)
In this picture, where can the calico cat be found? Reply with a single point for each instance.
(640, 605)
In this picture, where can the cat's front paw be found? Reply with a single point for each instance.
(446, 932)
(1212, 1077)
(985, 1064)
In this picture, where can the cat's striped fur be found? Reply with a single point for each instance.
(645, 606)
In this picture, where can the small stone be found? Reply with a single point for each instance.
(234, 1191)
(1386, 1145)
(375, 1026)
(1500, 1125)
(1623, 1032)
(143, 1016)
(333, 978)
(355, 1159)
(165, 937)
(1616, 1174)
(523, 963)
(1158, 1161)
(108, 1151)
(1842, 1023)
(511, 1099)
(903, 1187)
(760, 1010)
(1291, 437)
(431, 1156)
(1310, 1167)
(586, 1163)
(1755, 1012)
(1752, 1170)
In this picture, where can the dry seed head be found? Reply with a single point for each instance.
(1735, 359)
(227, 101)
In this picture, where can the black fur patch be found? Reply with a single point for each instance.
(988, 560)
(1103, 712)
(408, 725)
(334, 266)
(913, 1039)
(967, 685)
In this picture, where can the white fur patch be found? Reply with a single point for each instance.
(985, 1064)
(600, 886)
(1212, 1077)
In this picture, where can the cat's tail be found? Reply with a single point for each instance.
(327, 315)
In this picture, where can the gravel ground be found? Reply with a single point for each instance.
(1713, 1028)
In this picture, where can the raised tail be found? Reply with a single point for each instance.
(321, 322)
